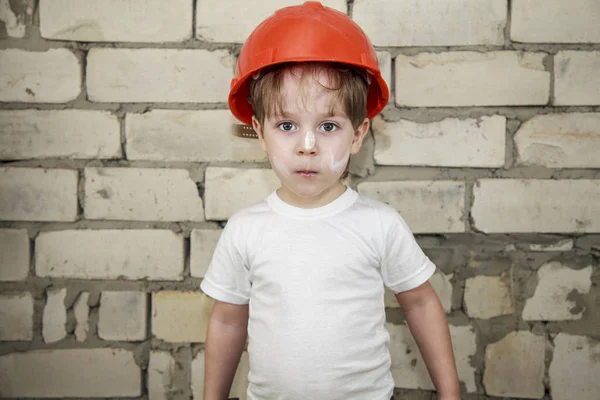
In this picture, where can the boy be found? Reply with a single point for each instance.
(301, 274)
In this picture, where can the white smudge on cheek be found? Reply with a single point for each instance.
(338, 166)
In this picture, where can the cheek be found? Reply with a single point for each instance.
(335, 157)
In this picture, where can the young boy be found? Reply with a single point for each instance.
(302, 274)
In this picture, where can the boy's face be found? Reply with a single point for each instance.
(309, 147)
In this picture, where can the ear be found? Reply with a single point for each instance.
(258, 129)
(359, 135)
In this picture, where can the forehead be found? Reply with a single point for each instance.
(308, 91)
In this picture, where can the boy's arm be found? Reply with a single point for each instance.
(225, 341)
(428, 325)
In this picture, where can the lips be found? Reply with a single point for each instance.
(306, 173)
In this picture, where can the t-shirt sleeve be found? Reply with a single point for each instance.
(228, 275)
(404, 266)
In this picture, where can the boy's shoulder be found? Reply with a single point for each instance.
(252, 213)
(382, 208)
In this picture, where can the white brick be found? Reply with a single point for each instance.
(234, 20)
(576, 78)
(110, 254)
(32, 194)
(55, 316)
(560, 141)
(408, 368)
(180, 316)
(575, 368)
(52, 76)
(114, 21)
(463, 78)
(514, 366)
(521, 205)
(555, 21)
(16, 318)
(432, 22)
(81, 310)
(176, 135)
(58, 134)
(70, 373)
(161, 375)
(240, 380)
(488, 297)
(159, 75)
(440, 282)
(427, 206)
(384, 59)
(228, 190)
(14, 254)
(448, 143)
(16, 16)
(141, 194)
(561, 245)
(551, 302)
(122, 316)
(203, 244)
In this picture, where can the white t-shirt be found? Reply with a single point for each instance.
(314, 280)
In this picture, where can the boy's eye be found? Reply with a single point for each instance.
(286, 126)
(328, 126)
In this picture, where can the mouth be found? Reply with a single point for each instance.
(306, 173)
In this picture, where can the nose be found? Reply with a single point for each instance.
(308, 145)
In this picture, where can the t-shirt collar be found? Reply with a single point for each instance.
(344, 201)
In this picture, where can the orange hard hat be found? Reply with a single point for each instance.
(303, 33)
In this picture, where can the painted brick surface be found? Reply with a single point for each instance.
(432, 22)
(408, 367)
(426, 206)
(15, 18)
(141, 194)
(52, 76)
(233, 20)
(161, 374)
(560, 141)
(525, 205)
(158, 75)
(14, 255)
(450, 142)
(488, 297)
(70, 373)
(180, 316)
(110, 254)
(35, 194)
(113, 21)
(228, 190)
(552, 298)
(514, 366)
(173, 135)
(385, 66)
(55, 316)
(575, 368)
(240, 381)
(462, 78)
(81, 310)
(16, 317)
(555, 21)
(576, 79)
(74, 134)
(122, 316)
(203, 243)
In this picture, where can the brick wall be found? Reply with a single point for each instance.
(119, 170)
